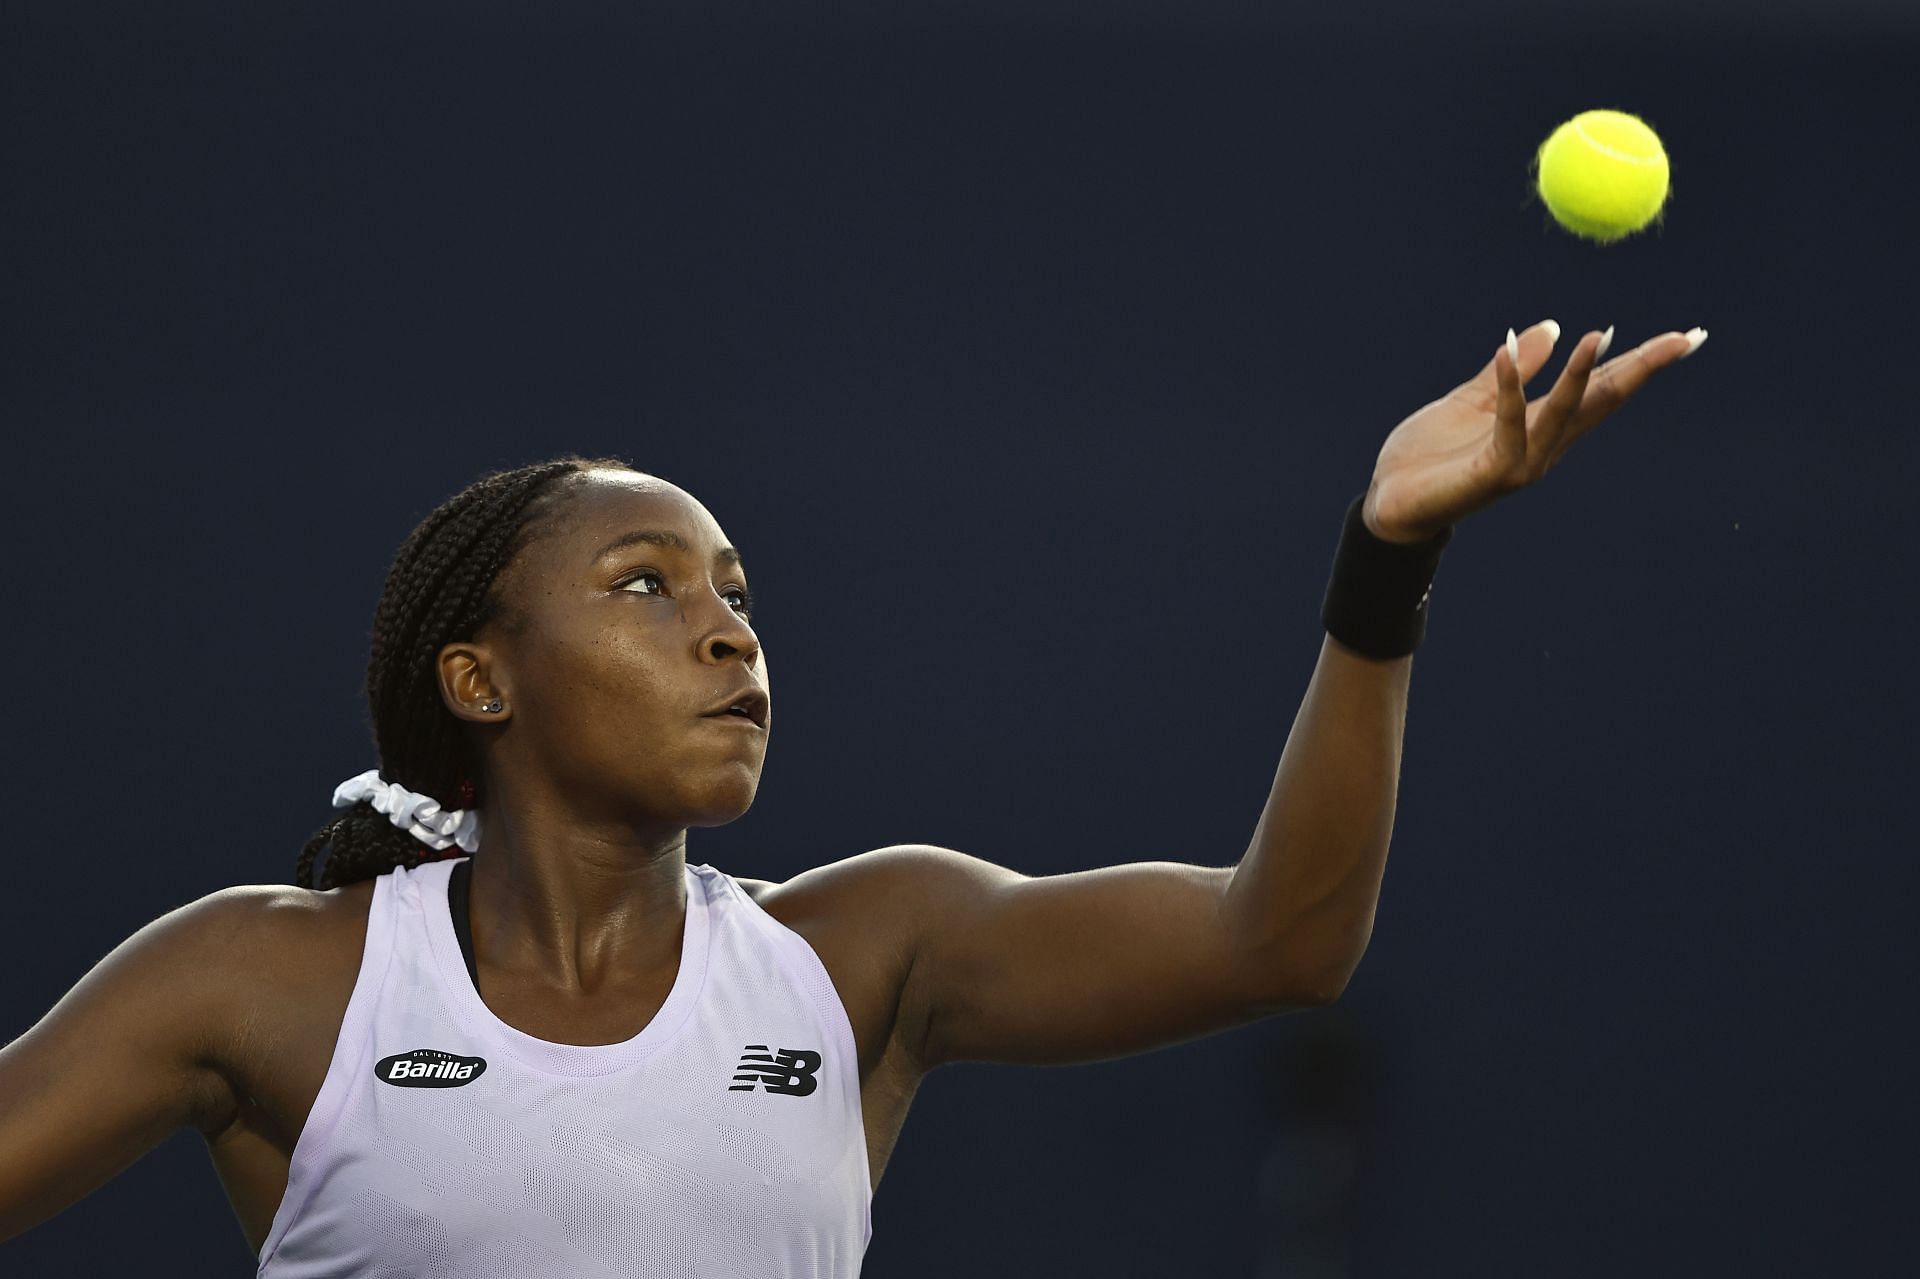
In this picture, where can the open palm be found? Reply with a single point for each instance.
(1483, 439)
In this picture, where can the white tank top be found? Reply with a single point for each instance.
(724, 1140)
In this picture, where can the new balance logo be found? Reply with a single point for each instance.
(791, 1071)
(428, 1068)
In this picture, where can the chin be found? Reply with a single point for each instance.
(727, 804)
(710, 820)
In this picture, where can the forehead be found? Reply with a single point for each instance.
(608, 503)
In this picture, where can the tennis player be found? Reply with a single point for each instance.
(512, 1031)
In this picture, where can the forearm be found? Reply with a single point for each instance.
(1303, 896)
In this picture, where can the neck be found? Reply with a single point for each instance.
(575, 906)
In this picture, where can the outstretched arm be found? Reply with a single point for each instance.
(1102, 963)
(1123, 959)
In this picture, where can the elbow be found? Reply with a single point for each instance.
(1304, 991)
(1311, 970)
(1325, 989)
(1330, 990)
(1333, 984)
(1315, 987)
(1332, 966)
(1307, 961)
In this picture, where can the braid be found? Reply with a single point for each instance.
(439, 589)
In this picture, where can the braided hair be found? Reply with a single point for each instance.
(438, 591)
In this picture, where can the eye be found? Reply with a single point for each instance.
(744, 606)
(642, 577)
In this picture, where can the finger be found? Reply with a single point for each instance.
(1616, 382)
(1552, 414)
(1510, 409)
(1482, 390)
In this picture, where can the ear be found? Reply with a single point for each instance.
(467, 683)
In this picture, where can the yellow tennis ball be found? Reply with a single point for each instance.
(1603, 175)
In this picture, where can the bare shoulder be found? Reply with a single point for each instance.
(310, 940)
(756, 888)
(878, 907)
(895, 884)
(285, 948)
(269, 923)
(242, 924)
(174, 1003)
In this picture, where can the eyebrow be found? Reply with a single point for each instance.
(664, 537)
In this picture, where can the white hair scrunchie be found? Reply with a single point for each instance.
(419, 815)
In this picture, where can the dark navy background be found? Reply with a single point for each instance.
(1032, 355)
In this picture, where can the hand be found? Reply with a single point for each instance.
(1482, 440)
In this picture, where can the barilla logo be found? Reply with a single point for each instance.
(428, 1068)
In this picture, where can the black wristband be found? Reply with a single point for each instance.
(1376, 602)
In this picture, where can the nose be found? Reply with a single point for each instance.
(731, 634)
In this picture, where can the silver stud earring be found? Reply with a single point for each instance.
(493, 705)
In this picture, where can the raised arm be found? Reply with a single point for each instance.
(1126, 958)
(125, 1058)
(1103, 963)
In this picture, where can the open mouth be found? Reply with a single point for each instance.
(749, 704)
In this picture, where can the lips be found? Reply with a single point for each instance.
(752, 700)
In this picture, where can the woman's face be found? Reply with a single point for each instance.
(634, 627)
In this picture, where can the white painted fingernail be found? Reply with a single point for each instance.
(1513, 350)
(1694, 338)
(1606, 340)
(1553, 329)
